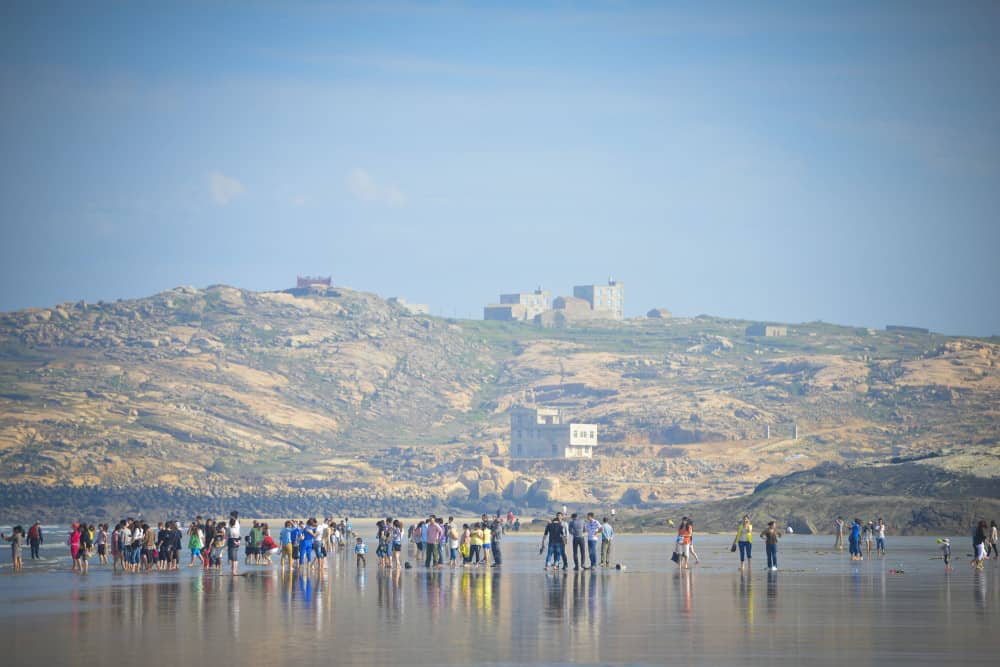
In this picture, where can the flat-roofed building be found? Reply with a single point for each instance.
(540, 433)
(535, 303)
(504, 312)
(766, 330)
(608, 298)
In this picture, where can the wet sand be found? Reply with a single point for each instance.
(818, 608)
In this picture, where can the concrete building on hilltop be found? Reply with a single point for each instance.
(504, 312)
(534, 303)
(769, 330)
(305, 282)
(518, 306)
(543, 433)
(608, 298)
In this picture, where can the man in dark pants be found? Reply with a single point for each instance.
(497, 530)
(577, 530)
(35, 539)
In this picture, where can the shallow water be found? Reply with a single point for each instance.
(819, 607)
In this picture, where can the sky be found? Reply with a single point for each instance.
(786, 162)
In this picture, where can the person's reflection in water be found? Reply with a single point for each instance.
(577, 599)
(686, 582)
(746, 597)
(361, 579)
(483, 591)
(306, 588)
(234, 607)
(555, 594)
(979, 590)
(390, 593)
(772, 592)
(592, 597)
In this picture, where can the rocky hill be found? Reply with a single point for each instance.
(337, 400)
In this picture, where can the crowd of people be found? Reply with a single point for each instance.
(584, 536)
(133, 545)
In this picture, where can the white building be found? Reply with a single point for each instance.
(608, 298)
(540, 433)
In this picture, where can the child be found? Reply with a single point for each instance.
(946, 552)
(360, 549)
(16, 540)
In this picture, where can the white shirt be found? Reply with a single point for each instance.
(234, 530)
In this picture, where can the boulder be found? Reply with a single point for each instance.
(517, 489)
(470, 478)
(544, 491)
(486, 487)
(456, 492)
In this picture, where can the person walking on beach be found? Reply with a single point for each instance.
(556, 546)
(744, 540)
(994, 539)
(945, 552)
(838, 542)
(979, 540)
(35, 539)
(607, 535)
(683, 544)
(771, 536)
(16, 540)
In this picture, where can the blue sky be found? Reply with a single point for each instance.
(771, 161)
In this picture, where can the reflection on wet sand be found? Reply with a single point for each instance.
(449, 617)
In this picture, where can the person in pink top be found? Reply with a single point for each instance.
(74, 545)
(432, 555)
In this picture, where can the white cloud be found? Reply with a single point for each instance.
(364, 187)
(223, 189)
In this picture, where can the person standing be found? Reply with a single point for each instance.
(994, 539)
(593, 528)
(35, 539)
(979, 540)
(233, 542)
(16, 540)
(683, 544)
(607, 535)
(744, 539)
(855, 540)
(880, 538)
(838, 542)
(771, 536)
(577, 530)
(497, 531)
(557, 549)
(432, 556)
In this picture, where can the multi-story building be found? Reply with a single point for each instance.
(604, 298)
(535, 303)
(540, 433)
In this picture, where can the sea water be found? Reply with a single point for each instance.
(818, 608)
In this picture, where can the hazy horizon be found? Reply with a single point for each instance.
(780, 162)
